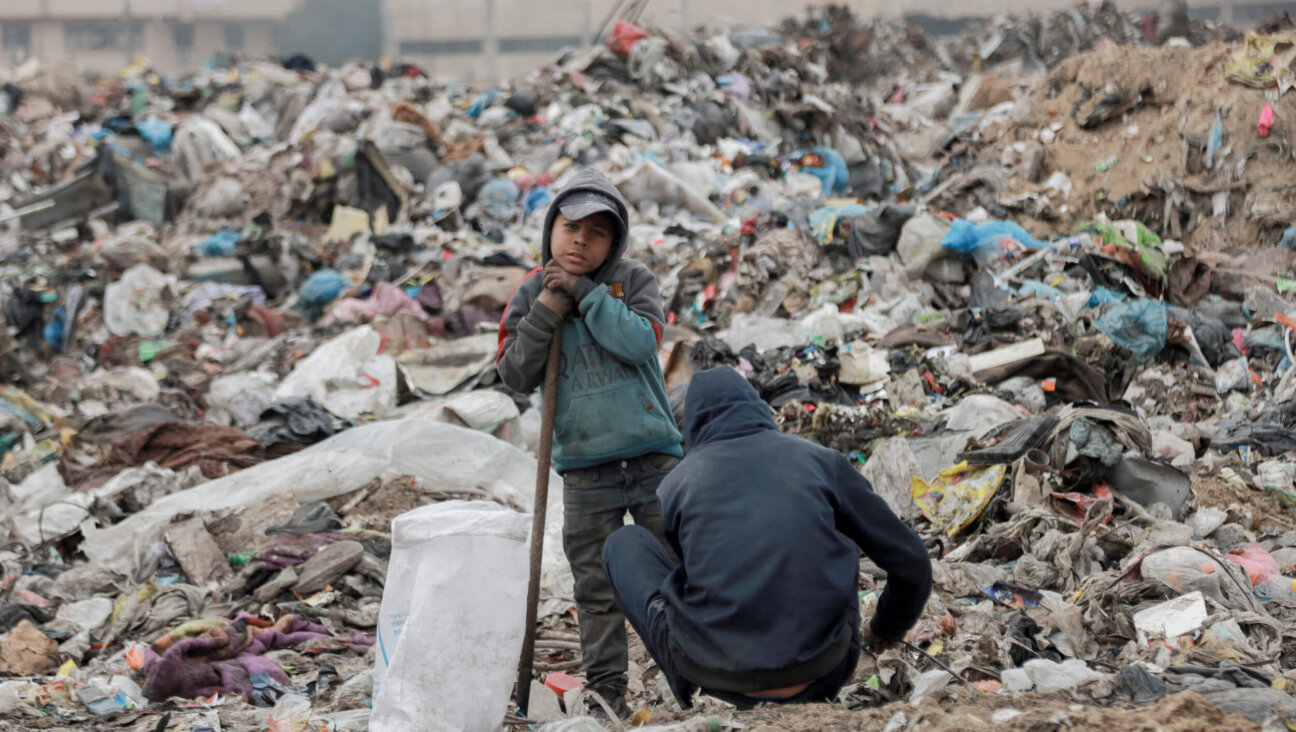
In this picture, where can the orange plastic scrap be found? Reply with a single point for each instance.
(135, 656)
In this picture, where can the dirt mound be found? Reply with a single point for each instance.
(1130, 128)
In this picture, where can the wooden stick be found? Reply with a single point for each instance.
(543, 457)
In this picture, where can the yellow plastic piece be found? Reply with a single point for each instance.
(958, 495)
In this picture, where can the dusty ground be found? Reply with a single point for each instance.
(1264, 508)
(1159, 146)
(1186, 712)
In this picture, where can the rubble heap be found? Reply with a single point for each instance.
(1036, 281)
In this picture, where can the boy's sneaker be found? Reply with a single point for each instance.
(616, 701)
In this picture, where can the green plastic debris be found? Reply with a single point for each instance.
(1133, 235)
(148, 350)
(240, 559)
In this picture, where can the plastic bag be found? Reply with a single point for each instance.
(1279, 589)
(1139, 327)
(332, 97)
(1233, 375)
(451, 458)
(44, 508)
(980, 412)
(323, 287)
(239, 399)
(1184, 569)
(346, 375)
(890, 470)
(1043, 675)
(1259, 564)
(1266, 121)
(764, 333)
(958, 495)
(878, 231)
(967, 237)
(824, 220)
(131, 380)
(823, 324)
(833, 174)
(451, 623)
(624, 37)
(648, 181)
(1278, 478)
(136, 304)
(920, 242)
(220, 244)
(290, 714)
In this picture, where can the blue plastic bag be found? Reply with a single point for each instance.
(498, 196)
(323, 287)
(220, 244)
(480, 103)
(1035, 288)
(536, 198)
(1288, 240)
(834, 174)
(56, 329)
(1139, 326)
(967, 237)
(1104, 296)
(156, 133)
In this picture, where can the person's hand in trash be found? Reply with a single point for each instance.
(558, 279)
(874, 643)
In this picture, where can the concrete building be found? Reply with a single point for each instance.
(477, 40)
(106, 35)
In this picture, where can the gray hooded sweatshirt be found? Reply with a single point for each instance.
(612, 402)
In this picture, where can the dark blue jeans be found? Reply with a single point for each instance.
(636, 565)
(595, 502)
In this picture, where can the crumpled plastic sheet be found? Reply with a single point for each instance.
(1140, 327)
(452, 457)
(346, 375)
(958, 495)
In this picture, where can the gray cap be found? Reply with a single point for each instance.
(582, 204)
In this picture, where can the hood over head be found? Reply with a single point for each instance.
(722, 405)
(590, 192)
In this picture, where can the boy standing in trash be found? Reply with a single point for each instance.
(614, 433)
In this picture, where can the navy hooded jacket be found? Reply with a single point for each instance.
(769, 528)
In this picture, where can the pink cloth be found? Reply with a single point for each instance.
(387, 300)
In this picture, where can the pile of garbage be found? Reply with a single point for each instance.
(1043, 300)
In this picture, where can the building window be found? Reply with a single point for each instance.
(234, 37)
(93, 35)
(441, 47)
(538, 44)
(16, 36)
(184, 36)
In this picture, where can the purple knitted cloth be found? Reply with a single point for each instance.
(225, 656)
